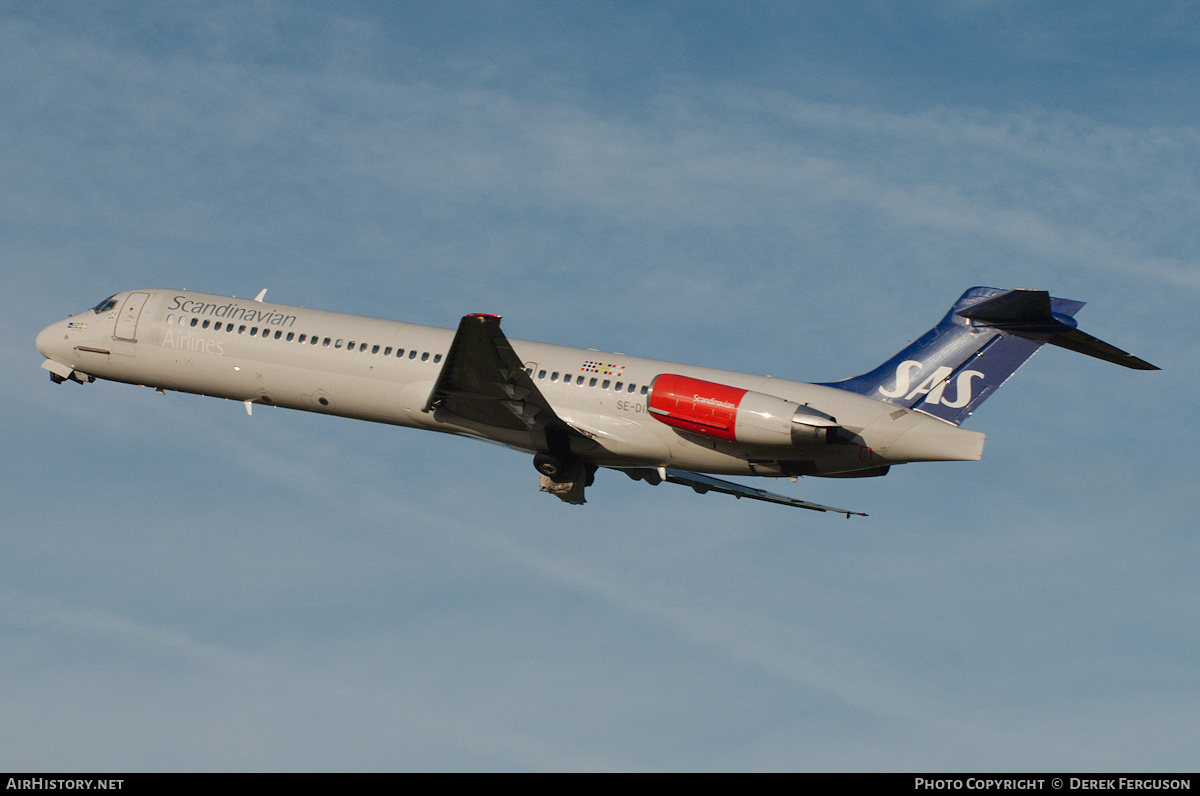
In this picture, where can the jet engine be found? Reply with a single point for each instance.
(736, 415)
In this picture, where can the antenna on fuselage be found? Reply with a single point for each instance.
(260, 295)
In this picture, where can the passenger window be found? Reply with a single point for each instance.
(592, 381)
(554, 376)
(632, 387)
(242, 329)
(619, 386)
(195, 321)
(253, 331)
(338, 343)
(541, 374)
(350, 346)
(278, 333)
(299, 339)
(290, 336)
(325, 343)
(387, 352)
(204, 325)
(425, 357)
(412, 354)
(363, 346)
(437, 357)
(645, 389)
(374, 349)
(605, 384)
(566, 378)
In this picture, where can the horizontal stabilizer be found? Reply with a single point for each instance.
(1028, 314)
(1084, 343)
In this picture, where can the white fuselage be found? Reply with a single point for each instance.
(383, 371)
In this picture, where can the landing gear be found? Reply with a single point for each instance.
(564, 477)
(550, 465)
(74, 375)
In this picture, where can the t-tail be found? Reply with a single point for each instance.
(981, 342)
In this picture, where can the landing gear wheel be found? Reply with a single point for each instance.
(563, 476)
(550, 466)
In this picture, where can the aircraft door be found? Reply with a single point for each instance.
(127, 320)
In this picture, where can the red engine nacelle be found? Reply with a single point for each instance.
(736, 415)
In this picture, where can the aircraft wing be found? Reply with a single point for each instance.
(706, 483)
(484, 380)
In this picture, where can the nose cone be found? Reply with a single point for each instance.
(50, 339)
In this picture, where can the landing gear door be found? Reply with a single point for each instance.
(127, 320)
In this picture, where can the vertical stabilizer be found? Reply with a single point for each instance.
(981, 342)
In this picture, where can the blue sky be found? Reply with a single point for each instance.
(791, 189)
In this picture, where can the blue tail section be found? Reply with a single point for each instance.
(981, 342)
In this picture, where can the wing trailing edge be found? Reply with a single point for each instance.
(706, 483)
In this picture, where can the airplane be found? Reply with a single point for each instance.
(577, 410)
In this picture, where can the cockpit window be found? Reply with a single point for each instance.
(106, 305)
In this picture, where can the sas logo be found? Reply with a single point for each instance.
(933, 386)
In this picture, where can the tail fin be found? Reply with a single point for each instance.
(981, 342)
